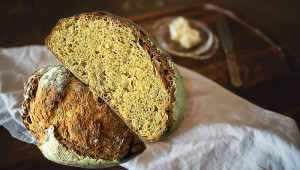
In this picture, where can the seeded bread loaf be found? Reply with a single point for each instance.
(124, 66)
(72, 125)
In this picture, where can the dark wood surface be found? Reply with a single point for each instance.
(270, 74)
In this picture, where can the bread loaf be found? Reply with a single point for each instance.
(124, 66)
(72, 125)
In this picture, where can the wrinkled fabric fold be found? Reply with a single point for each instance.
(220, 130)
(16, 65)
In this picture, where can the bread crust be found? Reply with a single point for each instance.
(163, 66)
(82, 122)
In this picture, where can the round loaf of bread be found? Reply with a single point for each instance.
(125, 66)
(72, 125)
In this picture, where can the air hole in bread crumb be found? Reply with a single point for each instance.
(165, 72)
(128, 75)
(29, 120)
(97, 52)
(76, 63)
(140, 41)
(155, 108)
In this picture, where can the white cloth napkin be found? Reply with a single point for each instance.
(220, 130)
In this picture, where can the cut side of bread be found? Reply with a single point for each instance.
(73, 125)
(124, 66)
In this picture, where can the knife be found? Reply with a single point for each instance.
(225, 37)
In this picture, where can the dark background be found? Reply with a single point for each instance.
(24, 22)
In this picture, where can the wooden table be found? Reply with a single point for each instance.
(270, 75)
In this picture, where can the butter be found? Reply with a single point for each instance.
(181, 31)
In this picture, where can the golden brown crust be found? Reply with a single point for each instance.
(159, 60)
(82, 121)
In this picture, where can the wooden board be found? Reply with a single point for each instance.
(258, 57)
(268, 79)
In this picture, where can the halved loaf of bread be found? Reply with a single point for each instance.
(72, 125)
(123, 65)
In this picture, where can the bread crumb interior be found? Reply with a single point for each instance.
(105, 54)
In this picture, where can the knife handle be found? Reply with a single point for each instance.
(233, 69)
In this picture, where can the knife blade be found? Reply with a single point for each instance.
(227, 44)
